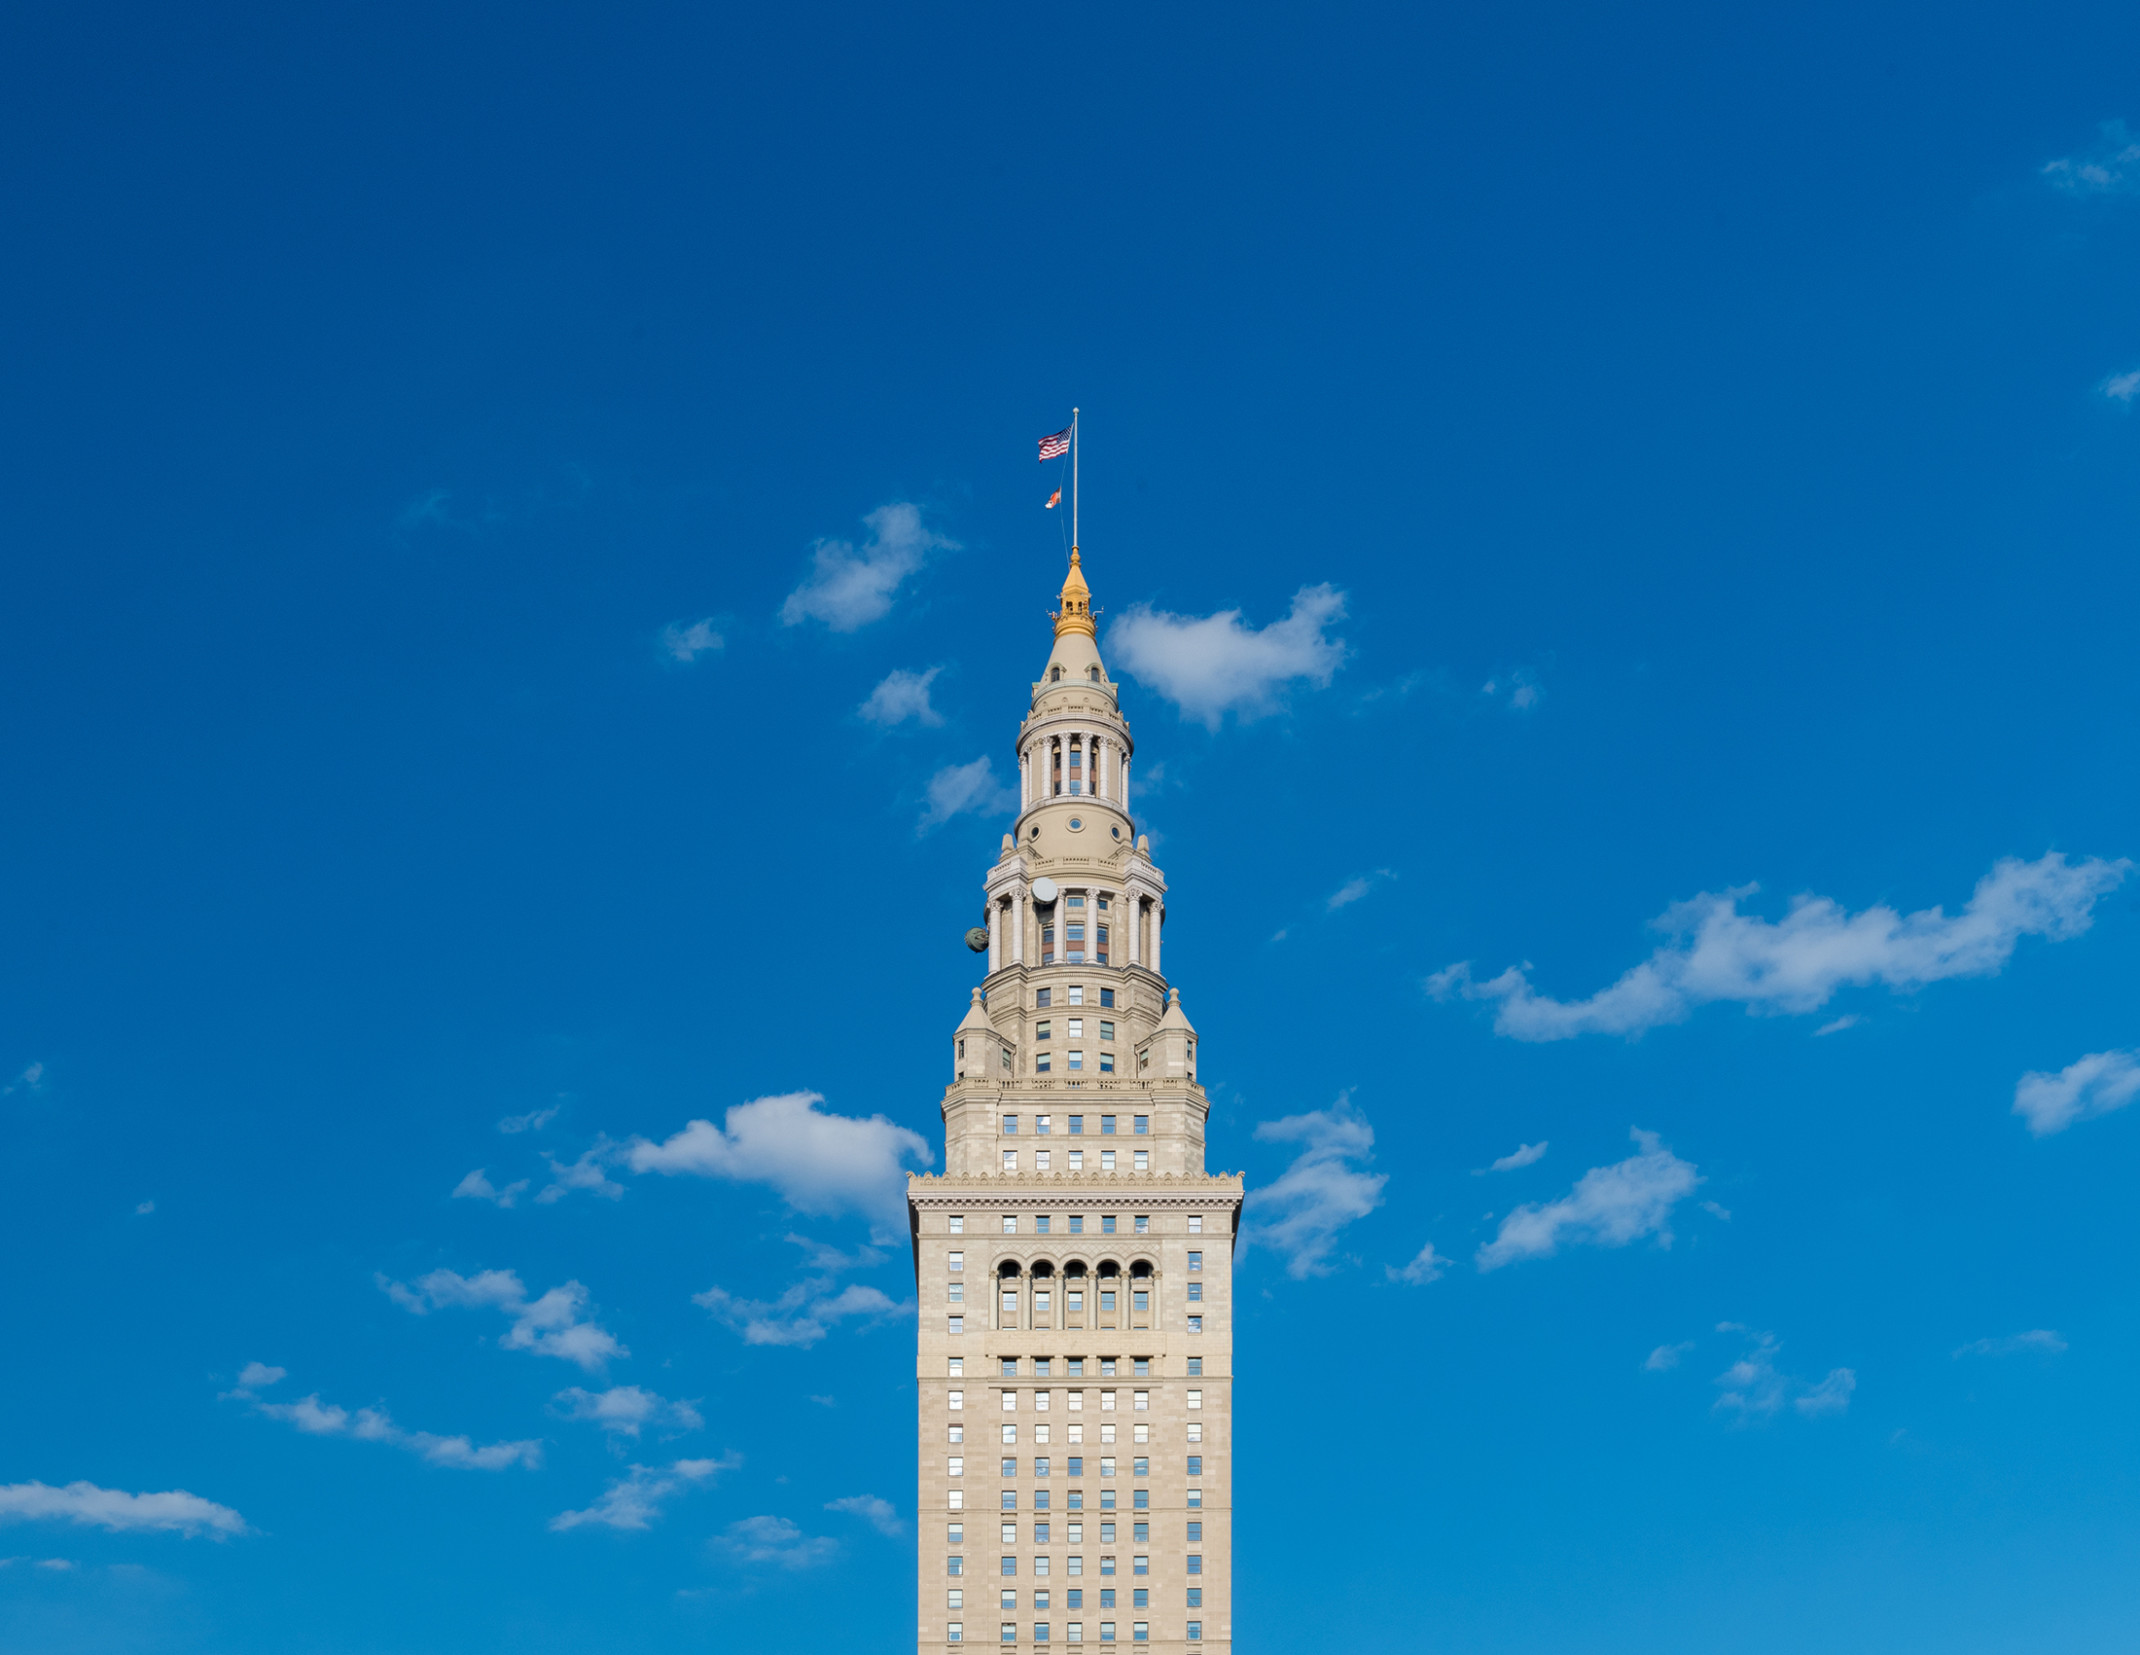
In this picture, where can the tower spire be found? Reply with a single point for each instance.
(1075, 612)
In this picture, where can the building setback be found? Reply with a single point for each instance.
(1074, 1261)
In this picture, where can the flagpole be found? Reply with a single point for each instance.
(1073, 479)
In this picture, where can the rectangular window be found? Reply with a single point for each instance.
(1142, 1125)
(1196, 1224)
(1008, 1499)
(1077, 990)
(954, 1565)
(958, 1433)
(1041, 1064)
(955, 1499)
(1077, 1029)
(955, 1466)
(1040, 1630)
(954, 1599)
(1140, 1565)
(1077, 1126)
(1141, 1499)
(1107, 1632)
(958, 1366)
(1140, 1468)
(955, 1262)
(1010, 1160)
(1196, 1562)
(1077, 1060)
(1196, 1292)
(955, 1632)
(1195, 1499)
(1042, 1123)
(1077, 1220)
(1196, 1367)
(1107, 1565)
(1107, 998)
(1107, 1126)
(956, 1223)
(1142, 1534)
(1077, 1164)
(1008, 1366)
(1196, 1465)
(1075, 1597)
(1141, 1433)
(1196, 1601)
(1040, 998)
(1010, 1535)
(1107, 1164)
(1077, 1371)
(1196, 1324)
(1196, 1533)
(1074, 1534)
(1107, 1228)
(1142, 1366)
(1010, 1628)
(955, 1399)
(1010, 1434)
(1107, 1063)
(1041, 1366)
(1144, 1058)
(1107, 1534)
(1107, 1029)
(1140, 1633)
(1043, 1029)
(1010, 1224)
(1040, 1221)
(955, 1324)
(1196, 1628)
(1010, 1126)
(1142, 1161)
(955, 1534)
(1040, 1538)
(1196, 1262)
(1077, 1467)
(1003, 1057)
(954, 1292)
(1196, 1430)
(1140, 1401)
(1107, 1469)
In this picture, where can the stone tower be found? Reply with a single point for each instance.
(1074, 1261)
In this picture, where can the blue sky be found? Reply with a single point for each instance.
(520, 560)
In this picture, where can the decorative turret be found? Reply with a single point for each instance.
(1075, 615)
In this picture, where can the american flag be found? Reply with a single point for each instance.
(1057, 444)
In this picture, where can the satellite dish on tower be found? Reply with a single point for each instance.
(1043, 889)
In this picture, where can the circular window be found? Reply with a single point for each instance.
(1117, 832)
(1035, 834)
(1077, 824)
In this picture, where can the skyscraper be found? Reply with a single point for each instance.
(1074, 1260)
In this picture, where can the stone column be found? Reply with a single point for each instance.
(1018, 927)
(1158, 918)
(995, 934)
(1025, 778)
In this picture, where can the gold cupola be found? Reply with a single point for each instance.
(1075, 615)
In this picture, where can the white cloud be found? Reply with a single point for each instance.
(802, 1315)
(2112, 167)
(1301, 1211)
(31, 1080)
(478, 1187)
(258, 1376)
(901, 696)
(1521, 687)
(1609, 1207)
(823, 1256)
(553, 1325)
(174, 1511)
(1210, 665)
(1754, 1388)
(534, 1121)
(1427, 1265)
(1795, 966)
(1354, 889)
(626, 1410)
(823, 1164)
(635, 1500)
(1666, 1357)
(2037, 1338)
(962, 789)
(777, 1541)
(583, 1174)
(144, 1209)
(850, 586)
(1837, 1025)
(1522, 1155)
(325, 1419)
(687, 643)
(2122, 387)
(2090, 1086)
(878, 1513)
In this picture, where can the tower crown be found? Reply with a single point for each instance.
(1075, 615)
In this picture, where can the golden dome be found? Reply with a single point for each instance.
(1075, 615)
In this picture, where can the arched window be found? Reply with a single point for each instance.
(1074, 1285)
(1043, 1294)
(1093, 673)
(1007, 1294)
(1140, 1295)
(1110, 1291)
(1055, 675)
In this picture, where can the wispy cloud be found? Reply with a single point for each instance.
(1300, 1213)
(1755, 1388)
(326, 1419)
(902, 695)
(1523, 1155)
(534, 1121)
(635, 1500)
(583, 1174)
(478, 1187)
(2041, 1339)
(31, 1080)
(1838, 1025)
(2111, 166)
(1795, 966)
(1354, 889)
(1609, 1206)
(2122, 387)
(802, 1315)
(1210, 665)
(626, 1410)
(965, 789)
(879, 1514)
(775, 1541)
(849, 586)
(687, 641)
(555, 1324)
(1426, 1266)
(1519, 691)
(2090, 1086)
(1666, 1357)
(821, 1163)
(83, 1503)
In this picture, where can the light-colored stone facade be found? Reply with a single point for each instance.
(1074, 1261)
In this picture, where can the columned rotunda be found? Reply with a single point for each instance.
(1074, 1260)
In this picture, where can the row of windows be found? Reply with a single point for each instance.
(1074, 1535)
(955, 1464)
(1073, 993)
(1044, 1368)
(1044, 1125)
(1140, 1224)
(1074, 1435)
(1140, 1564)
(1074, 1499)
(1073, 1598)
(1139, 1401)
(1073, 1632)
